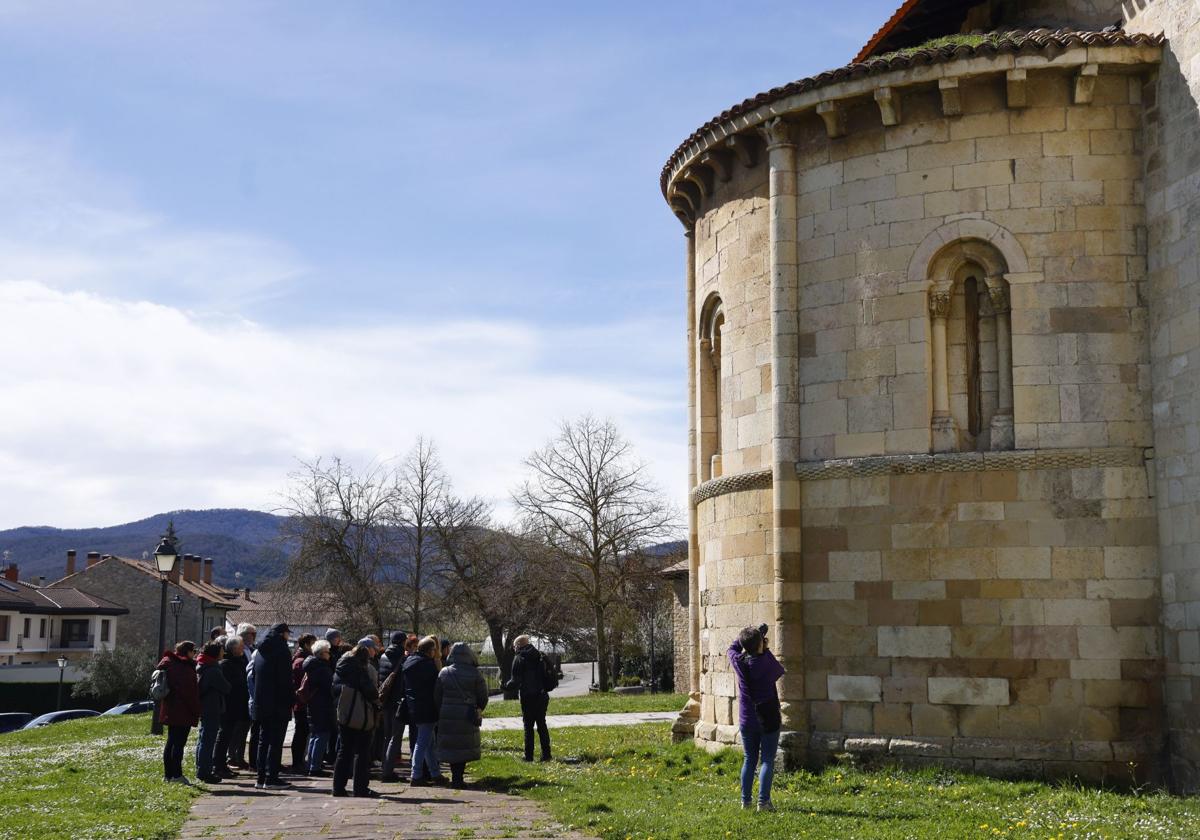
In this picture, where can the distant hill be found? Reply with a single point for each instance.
(245, 545)
(240, 541)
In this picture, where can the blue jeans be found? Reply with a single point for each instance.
(318, 743)
(758, 744)
(425, 764)
(206, 744)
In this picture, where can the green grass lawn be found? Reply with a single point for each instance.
(631, 782)
(92, 779)
(591, 704)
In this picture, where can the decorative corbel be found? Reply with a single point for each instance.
(701, 176)
(888, 100)
(687, 192)
(833, 116)
(1017, 88)
(951, 97)
(718, 162)
(778, 132)
(1085, 84)
(745, 147)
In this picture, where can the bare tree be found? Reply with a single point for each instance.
(498, 574)
(591, 502)
(421, 488)
(346, 551)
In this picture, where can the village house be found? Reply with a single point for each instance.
(136, 583)
(38, 625)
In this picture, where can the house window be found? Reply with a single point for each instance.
(42, 629)
(28, 624)
(105, 629)
(3, 628)
(75, 632)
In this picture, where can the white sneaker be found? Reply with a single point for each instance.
(765, 807)
(179, 780)
(746, 806)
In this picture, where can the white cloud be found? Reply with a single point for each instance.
(113, 409)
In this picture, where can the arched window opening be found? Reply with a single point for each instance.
(970, 332)
(708, 367)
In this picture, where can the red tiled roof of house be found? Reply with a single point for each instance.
(1032, 41)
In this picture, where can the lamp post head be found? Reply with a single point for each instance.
(165, 557)
(62, 662)
(176, 604)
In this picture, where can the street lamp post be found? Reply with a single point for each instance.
(176, 605)
(652, 588)
(62, 666)
(164, 558)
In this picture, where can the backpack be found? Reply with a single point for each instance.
(159, 687)
(549, 674)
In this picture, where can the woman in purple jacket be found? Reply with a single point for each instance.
(757, 670)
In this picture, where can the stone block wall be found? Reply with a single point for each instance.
(731, 262)
(680, 640)
(1004, 618)
(1063, 184)
(1172, 289)
(736, 584)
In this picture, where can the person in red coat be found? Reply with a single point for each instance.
(179, 711)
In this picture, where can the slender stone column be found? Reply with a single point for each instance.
(787, 635)
(684, 726)
(1003, 435)
(945, 434)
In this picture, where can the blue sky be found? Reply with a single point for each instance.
(235, 234)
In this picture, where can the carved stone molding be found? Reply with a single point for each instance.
(1021, 459)
(939, 304)
(760, 480)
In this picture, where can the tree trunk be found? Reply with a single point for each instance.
(601, 649)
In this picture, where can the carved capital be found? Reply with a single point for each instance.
(939, 305)
(999, 296)
(778, 132)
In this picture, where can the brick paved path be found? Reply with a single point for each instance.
(234, 809)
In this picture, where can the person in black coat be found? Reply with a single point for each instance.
(235, 719)
(322, 720)
(353, 680)
(214, 688)
(391, 662)
(530, 681)
(272, 700)
(420, 680)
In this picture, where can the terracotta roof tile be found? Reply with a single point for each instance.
(25, 597)
(1036, 40)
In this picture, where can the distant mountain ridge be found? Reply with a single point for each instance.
(246, 545)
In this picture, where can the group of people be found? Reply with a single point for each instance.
(351, 706)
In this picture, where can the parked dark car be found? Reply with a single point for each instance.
(135, 708)
(12, 721)
(59, 717)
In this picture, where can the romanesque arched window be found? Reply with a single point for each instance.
(971, 344)
(708, 367)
